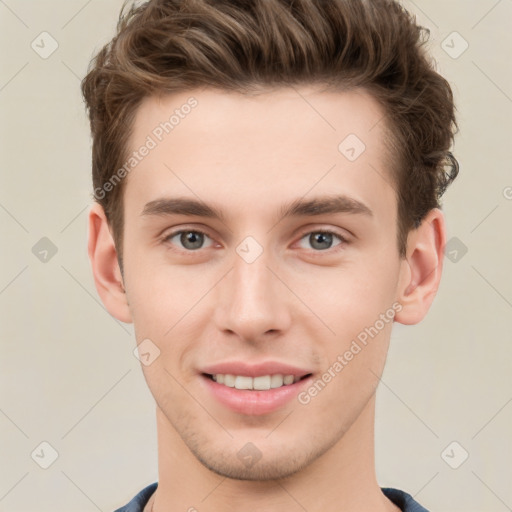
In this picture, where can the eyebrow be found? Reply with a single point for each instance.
(182, 206)
(324, 205)
(297, 208)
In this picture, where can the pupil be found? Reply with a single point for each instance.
(324, 240)
(191, 240)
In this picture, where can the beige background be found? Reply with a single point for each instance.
(67, 372)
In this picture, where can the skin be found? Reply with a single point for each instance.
(295, 303)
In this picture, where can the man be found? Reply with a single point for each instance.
(267, 177)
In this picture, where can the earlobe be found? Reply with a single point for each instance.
(105, 266)
(421, 270)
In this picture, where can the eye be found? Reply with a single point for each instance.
(322, 240)
(190, 240)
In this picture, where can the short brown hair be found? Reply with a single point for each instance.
(167, 46)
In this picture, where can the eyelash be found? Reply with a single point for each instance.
(342, 239)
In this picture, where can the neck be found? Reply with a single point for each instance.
(342, 478)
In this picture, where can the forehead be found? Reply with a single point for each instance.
(234, 147)
(213, 113)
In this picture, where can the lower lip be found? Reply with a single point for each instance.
(254, 403)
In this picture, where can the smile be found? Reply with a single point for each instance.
(260, 383)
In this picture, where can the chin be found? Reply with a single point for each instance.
(260, 471)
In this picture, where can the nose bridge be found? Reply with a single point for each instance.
(252, 302)
(251, 278)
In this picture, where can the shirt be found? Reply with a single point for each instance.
(401, 499)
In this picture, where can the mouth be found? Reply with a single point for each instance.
(254, 395)
(258, 383)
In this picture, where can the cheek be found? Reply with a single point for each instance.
(352, 297)
(167, 302)
(165, 306)
(358, 307)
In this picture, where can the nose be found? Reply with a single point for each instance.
(253, 303)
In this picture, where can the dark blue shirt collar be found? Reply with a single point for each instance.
(401, 499)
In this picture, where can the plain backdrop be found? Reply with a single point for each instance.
(68, 375)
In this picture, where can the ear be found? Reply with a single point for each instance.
(105, 266)
(420, 273)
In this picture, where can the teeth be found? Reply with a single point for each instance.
(276, 381)
(243, 382)
(288, 379)
(229, 380)
(262, 382)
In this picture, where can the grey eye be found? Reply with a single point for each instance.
(191, 240)
(188, 239)
(321, 240)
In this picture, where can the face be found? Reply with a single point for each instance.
(287, 265)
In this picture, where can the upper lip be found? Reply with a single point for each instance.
(254, 369)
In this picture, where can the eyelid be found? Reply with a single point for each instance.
(344, 234)
(344, 240)
(167, 235)
(331, 231)
(171, 231)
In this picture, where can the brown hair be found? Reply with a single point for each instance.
(166, 46)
